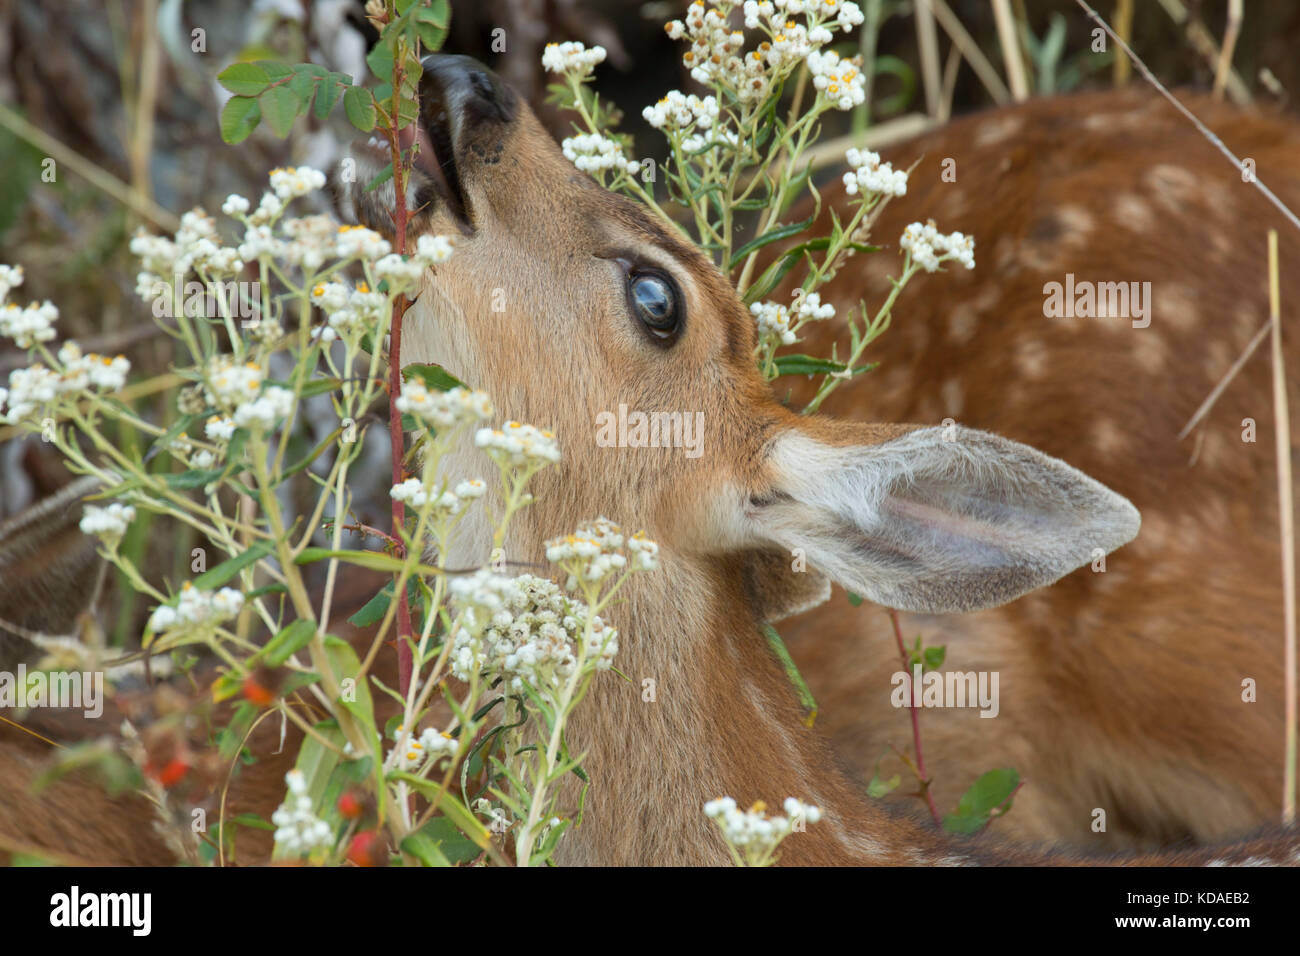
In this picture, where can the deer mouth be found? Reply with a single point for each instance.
(466, 112)
(434, 136)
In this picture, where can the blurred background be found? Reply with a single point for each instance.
(108, 124)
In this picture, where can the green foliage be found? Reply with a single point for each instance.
(989, 796)
(280, 94)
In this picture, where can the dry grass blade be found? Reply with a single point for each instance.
(1286, 522)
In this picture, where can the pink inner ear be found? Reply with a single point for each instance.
(952, 523)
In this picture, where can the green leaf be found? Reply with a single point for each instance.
(239, 117)
(280, 105)
(776, 235)
(770, 278)
(223, 572)
(933, 657)
(810, 365)
(303, 84)
(373, 611)
(244, 79)
(345, 665)
(380, 61)
(193, 479)
(383, 176)
(327, 94)
(276, 588)
(440, 843)
(288, 642)
(251, 820)
(373, 560)
(854, 599)
(433, 376)
(360, 107)
(878, 788)
(275, 69)
(792, 672)
(977, 805)
(317, 386)
(431, 37)
(437, 13)
(465, 821)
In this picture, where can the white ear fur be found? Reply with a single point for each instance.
(941, 519)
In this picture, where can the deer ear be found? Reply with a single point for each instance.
(938, 519)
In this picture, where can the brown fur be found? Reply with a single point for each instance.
(1120, 690)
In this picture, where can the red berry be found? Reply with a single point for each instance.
(172, 773)
(350, 806)
(258, 694)
(367, 849)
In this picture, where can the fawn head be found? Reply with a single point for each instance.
(577, 310)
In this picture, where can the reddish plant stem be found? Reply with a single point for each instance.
(916, 721)
(396, 436)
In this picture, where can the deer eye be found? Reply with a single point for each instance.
(654, 300)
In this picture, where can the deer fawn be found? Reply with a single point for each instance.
(1120, 690)
(923, 518)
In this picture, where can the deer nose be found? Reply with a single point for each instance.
(461, 92)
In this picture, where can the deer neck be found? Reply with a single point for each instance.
(707, 711)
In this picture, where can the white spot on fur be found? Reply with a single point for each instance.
(998, 129)
(962, 322)
(1135, 213)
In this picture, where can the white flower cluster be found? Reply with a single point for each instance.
(263, 412)
(754, 834)
(358, 242)
(810, 308)
(25, 326)
(715, 53)
(403, 273)
(782, 324)
(219, 428)
(91, 370)
(839, 80)
(870, 175)
(929, 247)
(197, 609)
(517, 445)
(847, 14)
(774, 320)
(348, 312)
(716, 56)
(299, 830)
(229, 384)
(310, 242)
(11, 277)
(196, 246)
(479, 596)
(448, 504)
(32, 389)
(572, 58)
(30, 325)
(239, 387)
(446, 410)
(595, 551)
(431, 746)
(532, 638)
(108, 524)
(294, 181)
(676, 110)
(593, 153)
